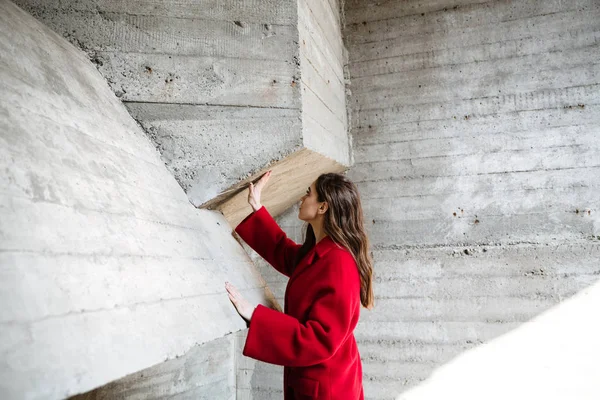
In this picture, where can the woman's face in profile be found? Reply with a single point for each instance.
(309, 204)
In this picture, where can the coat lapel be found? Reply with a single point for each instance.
(313, 255)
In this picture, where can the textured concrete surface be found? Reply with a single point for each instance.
(217, 85)
(476, 143)
(106, 267)
(475, 135)
(206, 372)
(322, 59)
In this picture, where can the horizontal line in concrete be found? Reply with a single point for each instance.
(475, 174)
(403, 191)
(393, 64)
(204, 80)
(504, 99)
(116, 308)
(211, 105)
(442, 293)
(413, 136)
(187, 55)
(356, 11)
(109, 255)
(420, 82)
(467, 37)
(337, 116)
(511, 121)
(476, 243)
(476, 153)
(490, 16)
(372, 117)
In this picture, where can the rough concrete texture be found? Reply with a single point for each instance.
(206, 372)
(236, 136)
(215, 84)
(322, 59)
(106, 267)
(477, 153)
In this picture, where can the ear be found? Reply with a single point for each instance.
(323, 207)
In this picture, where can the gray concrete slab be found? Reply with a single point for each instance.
(205, 372)
(107, 267)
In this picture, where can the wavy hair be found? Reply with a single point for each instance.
(344, 223)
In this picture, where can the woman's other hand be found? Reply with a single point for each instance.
(243, 307)
(255, 191)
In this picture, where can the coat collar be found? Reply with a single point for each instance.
(317, 252)
(321, 249)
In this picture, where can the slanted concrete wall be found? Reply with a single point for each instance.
(477, 154)
(107, 269)
(224, 89)
(214, 83)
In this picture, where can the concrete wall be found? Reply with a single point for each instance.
(322, 59)
(217, 86)
(206, 372)
(214, 83)
(477, 154)
(107, 269)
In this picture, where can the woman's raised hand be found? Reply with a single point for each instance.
(255, 191)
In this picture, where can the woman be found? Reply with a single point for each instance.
(330, 277)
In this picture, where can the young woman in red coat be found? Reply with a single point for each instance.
(330, 277)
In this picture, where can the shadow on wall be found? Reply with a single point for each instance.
(554, 356)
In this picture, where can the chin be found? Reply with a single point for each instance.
(300, 216)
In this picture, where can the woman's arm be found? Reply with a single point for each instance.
(281, 339)
(262, 233)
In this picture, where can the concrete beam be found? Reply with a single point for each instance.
(224, 90)
(291, 176)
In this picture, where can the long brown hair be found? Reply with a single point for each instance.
(344, 223)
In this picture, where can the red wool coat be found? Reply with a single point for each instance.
(314, 338)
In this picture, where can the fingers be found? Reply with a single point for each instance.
(232, 292)
(264, 179)
(242, 306)
(231, 295)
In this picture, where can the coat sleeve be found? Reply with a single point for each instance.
(281, 339)
(262, 233)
